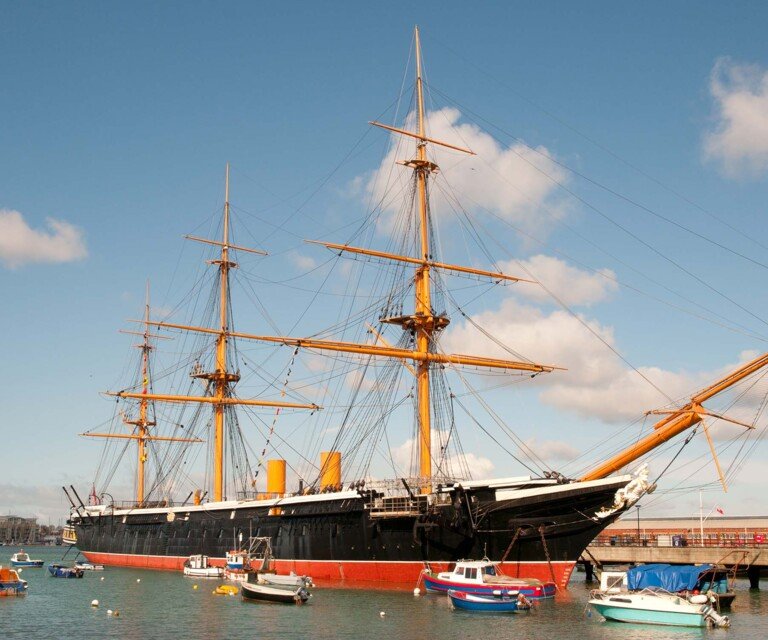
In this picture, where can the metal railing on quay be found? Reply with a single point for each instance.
(677, 541)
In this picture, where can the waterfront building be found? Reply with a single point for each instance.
(18, 530)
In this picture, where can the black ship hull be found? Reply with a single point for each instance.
(538, 530)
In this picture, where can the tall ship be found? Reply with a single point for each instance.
(342, 520)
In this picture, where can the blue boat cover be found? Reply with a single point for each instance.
(665, 576)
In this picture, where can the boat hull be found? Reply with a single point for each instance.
(536, 592)
(483, 604)
(65, 572)
(617, 613)
(30, 564)
(338, 537)
(10, 584)
(264, 593)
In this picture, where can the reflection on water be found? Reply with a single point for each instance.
(166, 605)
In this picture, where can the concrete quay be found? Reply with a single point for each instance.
(753, 558)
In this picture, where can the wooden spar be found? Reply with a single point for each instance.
(375, 350)
(134, 436)
(494, 275)
(676, 422)
(384, 341)
(159, 397)
(420, 136)
(258, 252)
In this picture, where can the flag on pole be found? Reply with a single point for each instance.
(720, 511)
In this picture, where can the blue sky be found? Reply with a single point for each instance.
(117, 121)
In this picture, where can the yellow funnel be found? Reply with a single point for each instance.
(276, 478)
(330, 469)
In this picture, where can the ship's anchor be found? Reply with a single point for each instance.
(546, 553)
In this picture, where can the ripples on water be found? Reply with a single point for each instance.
(165, 605)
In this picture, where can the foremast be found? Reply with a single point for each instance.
(222, 378)
(142, 423)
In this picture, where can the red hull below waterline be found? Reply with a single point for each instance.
(340, 572)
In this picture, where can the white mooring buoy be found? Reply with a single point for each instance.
(382, 613)
(417, 591)
(94, 603)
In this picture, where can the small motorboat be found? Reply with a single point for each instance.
(270, 593)
(241, 565)
(685, 580)
(238, 565)
(657, 607)
(22, 559)
(280, 580)
(634, 596)
(484, 577)
(197, 567)
(507, 602)
(89, 566)
(11, 584)
(58, 570)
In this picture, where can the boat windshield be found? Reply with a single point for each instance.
(489, 571)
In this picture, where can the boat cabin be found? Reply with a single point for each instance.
(471, 572)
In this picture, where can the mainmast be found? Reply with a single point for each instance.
(423, 320)
(221, 378)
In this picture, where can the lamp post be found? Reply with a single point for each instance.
(638, 524)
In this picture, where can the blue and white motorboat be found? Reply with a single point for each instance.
(616, 600)
(58, 570)
(507, 602)
(22, 559)
(684, 580)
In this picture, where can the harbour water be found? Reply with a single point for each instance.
(156, 604)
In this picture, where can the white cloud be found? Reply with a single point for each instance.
(549, 450)
(596, 383)
(303, 261)
(740, 137)
(573, 286)
(510, 181)
(20, 244)
(404, 454)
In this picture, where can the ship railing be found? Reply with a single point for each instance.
(132, 504)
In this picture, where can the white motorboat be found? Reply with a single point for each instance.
(197, 567)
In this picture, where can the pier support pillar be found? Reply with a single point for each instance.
(753, 573)
(589, 571)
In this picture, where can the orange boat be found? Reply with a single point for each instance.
(11, 584)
